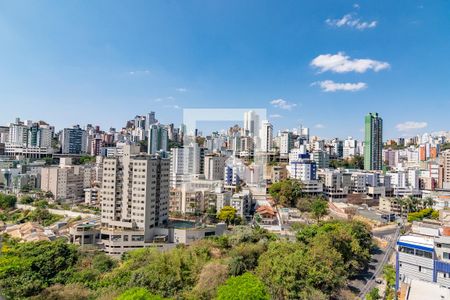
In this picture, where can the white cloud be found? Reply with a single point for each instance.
(319, 126)
(181, 90)
(164, 99)
(173, 106)
(275, 116)
(283, 104)
(411, 125)
(139, 72)
(331, 86)
(356, 6)
(350, 21)
(341, 63)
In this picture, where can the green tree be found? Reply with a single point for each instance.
(297, 271)
(355, 162)
(43, 216)
(26, 200)
(422, 214)
(103, 263)
(48, 161)
(25, 188)
(86, 159)
(352, 239)
(227, 214)
(28, 268)
(389, 276)
(286, 192)
(374, 294)
(138, 294)
(41, 203)
(7, 201)
(243, 287)
(428, 202)
(319, 209)
(177, 270)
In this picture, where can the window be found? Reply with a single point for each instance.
(136, 238)
(406, 250)
(423, 254)
(420, 268)
(116, 238)
(446, 255)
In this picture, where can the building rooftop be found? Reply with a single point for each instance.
(418, 290)
(417, 240)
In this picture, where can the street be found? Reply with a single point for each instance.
(363, 283)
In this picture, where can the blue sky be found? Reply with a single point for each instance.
(321, 63)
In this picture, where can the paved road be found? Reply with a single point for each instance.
(379, 268)
(363, 283)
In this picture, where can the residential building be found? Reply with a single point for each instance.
(301, 167)
(184, 164)
(373, 143)
(73, 140)
(157, 139)
(322, 159)
(66, 181)
(445, 161)
(266, 136)
(251, 123)
(134, 199)
(285, 143)
(424, 255)
(31, 140)
(242, 201)
(214, 166)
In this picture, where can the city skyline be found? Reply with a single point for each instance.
(332, 65)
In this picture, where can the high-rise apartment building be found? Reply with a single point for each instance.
(40, 135)
(214, 167)
(373, 143)
(73, 140)
(66, 182)
(322, 159)
(285, 142)
(151, 119)
(18, 133)
(301, 166)
(445, 161)
(266, 136)
(29, 139)
(157, 138)
(251, 123)
(303, 135)
(184, 163)
(4, 134)
(134, 198)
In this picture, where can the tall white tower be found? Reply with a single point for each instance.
(266, 136)
(251, 123)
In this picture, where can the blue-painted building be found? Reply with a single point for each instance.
(425, 258)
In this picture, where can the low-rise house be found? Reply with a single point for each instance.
(29, 232)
